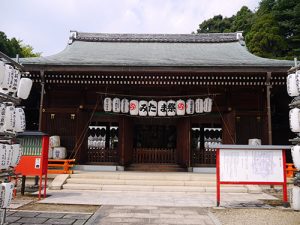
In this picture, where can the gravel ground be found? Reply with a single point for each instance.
(257, 216)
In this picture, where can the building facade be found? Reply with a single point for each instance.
(247, 92)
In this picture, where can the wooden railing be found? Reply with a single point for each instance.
(154, 155)
(205, 157)
(60, 166)
(97, 155)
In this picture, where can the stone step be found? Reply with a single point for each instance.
(227, 189)
(184, 176)
(141, 182)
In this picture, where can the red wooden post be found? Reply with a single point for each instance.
(284, 186)
(218, 176)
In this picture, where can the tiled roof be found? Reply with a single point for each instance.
(156, 50)
(169, 38)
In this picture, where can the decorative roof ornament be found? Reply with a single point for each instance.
(72, 37)
(240, 38)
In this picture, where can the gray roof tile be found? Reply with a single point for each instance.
(136, 50)
(169, 38)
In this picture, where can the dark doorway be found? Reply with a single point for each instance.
(155, 141)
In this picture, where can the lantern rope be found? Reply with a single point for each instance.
(84, 131)
(156, 96)
(225, 124)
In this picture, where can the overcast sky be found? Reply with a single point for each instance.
(45, 24)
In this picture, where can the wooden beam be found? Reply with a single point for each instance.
(95, 68)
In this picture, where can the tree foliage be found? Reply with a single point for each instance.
(12, 47)
(217, 24)
(273, 31)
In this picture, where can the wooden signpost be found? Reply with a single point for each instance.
(251, 165)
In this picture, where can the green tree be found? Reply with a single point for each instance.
(12, 47)
(264, 38)
(243, 20)
(287, 14)
(217, 24)
(272, 31)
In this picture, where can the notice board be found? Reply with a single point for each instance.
(251, 165)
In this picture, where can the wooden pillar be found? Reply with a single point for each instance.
(229, 127)
(81, 134)
(183, 142)
(125, 141)
(41, 99)
(268, 97)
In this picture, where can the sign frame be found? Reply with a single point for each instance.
(250, 147)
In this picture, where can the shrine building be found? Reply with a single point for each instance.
(157, 99)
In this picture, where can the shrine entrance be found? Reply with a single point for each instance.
(155, 141)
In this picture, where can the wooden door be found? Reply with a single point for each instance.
(63, 125)
(248, 127)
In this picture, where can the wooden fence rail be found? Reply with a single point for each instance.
(154, 155)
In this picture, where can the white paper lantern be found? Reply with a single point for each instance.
(296, 156)
(116, 105)
(190, 106)
(171, 108)
(143, 108)
(292, 87)
(295, 200)
(294, 119)
(16, 154)
(6, 194)
(162, 108)
(152, 108)
(3, 157)
(24, 88)
(2, 72)
(9, 155)
(7, 81)
(125, 105)
(16, 80)
(207, 105)
(180, 107)
(9, 119)
(59, 153)
(20, 123)
(199, 105)
(2, 116)
(134, 107)
(107, 105)
(54, 141)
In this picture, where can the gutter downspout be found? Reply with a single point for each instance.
(269, 86)
(42, 98)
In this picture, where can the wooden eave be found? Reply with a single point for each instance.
(207, 69)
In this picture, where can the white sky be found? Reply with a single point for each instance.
(45, 24)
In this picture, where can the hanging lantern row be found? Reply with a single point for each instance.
(12, 119)
(160, 108)
(12, 83)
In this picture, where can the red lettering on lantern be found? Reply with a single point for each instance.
(181, 106)
(132, 106)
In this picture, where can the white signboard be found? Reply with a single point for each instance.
(251, 165)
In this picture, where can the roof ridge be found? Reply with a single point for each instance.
(168, 38)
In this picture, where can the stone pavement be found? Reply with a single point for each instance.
(36, 218)
(134, 215)
(178, 199)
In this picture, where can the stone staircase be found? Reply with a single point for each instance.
(151, 182)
